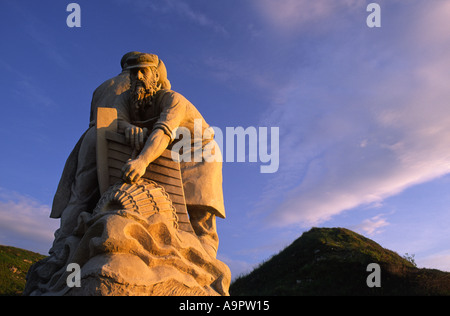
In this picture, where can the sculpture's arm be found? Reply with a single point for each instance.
(134, 135)
(155, 145)
(173, 109)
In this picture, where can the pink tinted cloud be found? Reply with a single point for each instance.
(292, 15)
(25, 223)
(395, 102)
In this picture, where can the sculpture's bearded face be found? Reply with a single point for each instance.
(144, 84)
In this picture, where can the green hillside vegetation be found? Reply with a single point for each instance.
(333, 261)
(14, 265)
(323, 261)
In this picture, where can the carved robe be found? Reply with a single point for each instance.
(202, 181)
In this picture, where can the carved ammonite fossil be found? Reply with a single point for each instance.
(145, 197)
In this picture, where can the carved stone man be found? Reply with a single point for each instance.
(78, 187)
(147, 106)
(124, 251)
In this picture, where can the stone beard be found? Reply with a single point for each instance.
(142, 92)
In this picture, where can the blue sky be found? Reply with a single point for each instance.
(363, 113)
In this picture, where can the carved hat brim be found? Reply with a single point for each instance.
(142, 60)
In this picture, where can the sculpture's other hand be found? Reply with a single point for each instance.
(134, 169)
(135, 136)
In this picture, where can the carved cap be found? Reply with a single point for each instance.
(123, 61)
(142, 60)
(165, 83)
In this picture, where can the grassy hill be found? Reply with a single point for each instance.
(333, 261)
(14, 265)
(323, 261)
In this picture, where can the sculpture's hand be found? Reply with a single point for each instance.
(135, 136)
(134, 169)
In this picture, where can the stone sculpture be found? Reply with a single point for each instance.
(134, 219)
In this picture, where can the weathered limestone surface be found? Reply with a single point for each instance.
(136, 235)
(123, 252)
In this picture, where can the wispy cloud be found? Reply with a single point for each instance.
(373, 225)
(369, 119)
(35, 95)
(40, 33)
(46, 44)
(237, 267)
(25, 223)
(183, 9)
(294, 15)
(440, 260)
(180, 8)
